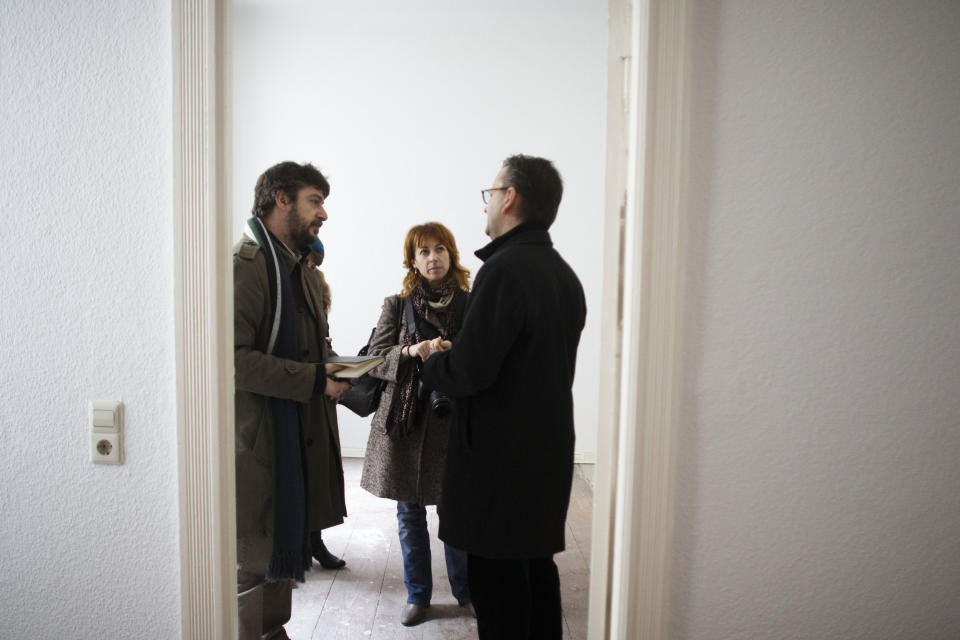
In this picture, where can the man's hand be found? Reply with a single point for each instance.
(335, 387)
(430, 347)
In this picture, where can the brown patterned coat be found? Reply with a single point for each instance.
(409, 469)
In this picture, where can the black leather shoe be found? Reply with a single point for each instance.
(326, 559)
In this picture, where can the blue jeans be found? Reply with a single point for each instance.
(415, 548)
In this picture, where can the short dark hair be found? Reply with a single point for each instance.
(539, 184)
(288, 177)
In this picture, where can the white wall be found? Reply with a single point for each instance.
(410, 108)
(87, 302)
(819, 492)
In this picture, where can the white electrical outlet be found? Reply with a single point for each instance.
(106, 432)
(105, 448)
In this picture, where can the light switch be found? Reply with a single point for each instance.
(105, 416)
(106, 427)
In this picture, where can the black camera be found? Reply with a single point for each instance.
(441, 403)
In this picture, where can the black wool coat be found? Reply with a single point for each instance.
(509, 464)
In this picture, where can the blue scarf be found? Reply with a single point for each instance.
(290, 555)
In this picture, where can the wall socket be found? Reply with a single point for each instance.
(106, 432)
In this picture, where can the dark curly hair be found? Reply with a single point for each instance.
(288, 177)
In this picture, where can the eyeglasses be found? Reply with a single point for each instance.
(486, 193)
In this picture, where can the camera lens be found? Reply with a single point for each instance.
(441, 404)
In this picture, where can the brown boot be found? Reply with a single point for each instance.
(413, 614)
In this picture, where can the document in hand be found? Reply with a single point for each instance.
(354, 366)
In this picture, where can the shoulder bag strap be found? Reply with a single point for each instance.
(411, 320)
(399, 316)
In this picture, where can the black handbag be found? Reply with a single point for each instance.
(363, 396)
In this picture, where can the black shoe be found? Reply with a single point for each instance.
(326, 559)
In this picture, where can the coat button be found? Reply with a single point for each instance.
(305, 353)
(309, 442)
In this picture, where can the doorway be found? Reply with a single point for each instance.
(204, 115)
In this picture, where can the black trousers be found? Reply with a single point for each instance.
(516, 598)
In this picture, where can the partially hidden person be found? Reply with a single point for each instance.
(315, 257)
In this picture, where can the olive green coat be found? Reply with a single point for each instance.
(259, 375)
(409, 469)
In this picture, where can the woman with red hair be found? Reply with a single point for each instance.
(408, 435)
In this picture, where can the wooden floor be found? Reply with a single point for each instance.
(364, 600)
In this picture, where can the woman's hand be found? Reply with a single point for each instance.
(417, 350)
(427, 348)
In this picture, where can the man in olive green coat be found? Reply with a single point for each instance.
(289, 471)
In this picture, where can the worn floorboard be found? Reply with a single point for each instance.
(364, 600)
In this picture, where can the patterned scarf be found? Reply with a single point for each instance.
(438, 312)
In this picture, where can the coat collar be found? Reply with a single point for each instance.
(524, 233)
(291, 257)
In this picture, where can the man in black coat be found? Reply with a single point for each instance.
(509, 463)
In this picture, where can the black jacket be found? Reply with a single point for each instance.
(510, 456)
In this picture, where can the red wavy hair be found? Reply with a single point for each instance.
(419, 236)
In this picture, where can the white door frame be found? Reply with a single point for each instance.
(646, 176)
(645, 186)
(203, 278)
